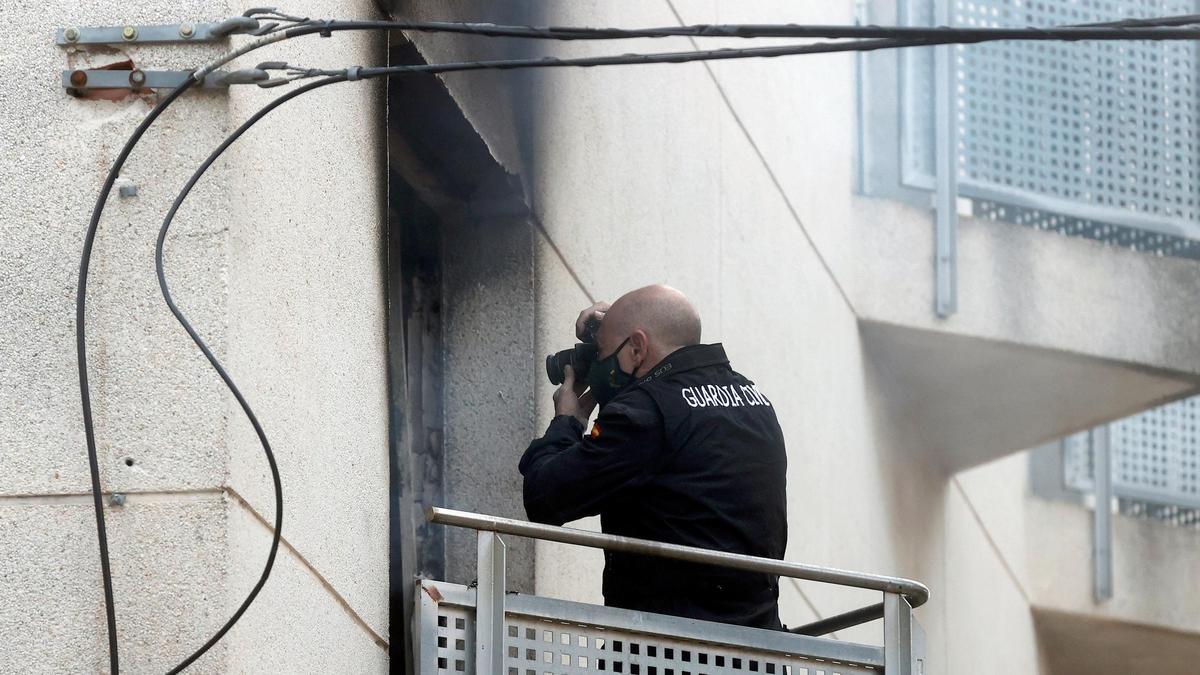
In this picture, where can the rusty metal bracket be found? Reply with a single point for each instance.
(114, 80)
(79, 81)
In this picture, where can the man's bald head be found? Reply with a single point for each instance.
(663, 313)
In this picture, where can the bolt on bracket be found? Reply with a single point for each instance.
(78, 81)
(154, 34)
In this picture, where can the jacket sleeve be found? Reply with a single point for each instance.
(568, 476)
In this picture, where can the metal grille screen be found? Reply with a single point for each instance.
(1155, 459)
(547, 637)
(1093, 139)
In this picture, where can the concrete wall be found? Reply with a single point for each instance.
(1043, 547)
(277, 259)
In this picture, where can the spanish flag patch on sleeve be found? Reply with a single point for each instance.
(595, 433)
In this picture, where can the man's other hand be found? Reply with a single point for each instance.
(570, 399)
(596, 311)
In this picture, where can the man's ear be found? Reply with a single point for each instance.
(640, 342)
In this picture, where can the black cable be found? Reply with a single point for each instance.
(212, 359)
(1162, 28)
(645, 59)
(944, 37)
(81, 355)
(1124, 30)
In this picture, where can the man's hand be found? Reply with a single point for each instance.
(596, 311)
(570, 398)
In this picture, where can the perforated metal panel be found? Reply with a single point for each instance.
(1172, 514)
(553, 637)
(455, 640)
(1092, 139)
(1155, 460)
(1159, 452)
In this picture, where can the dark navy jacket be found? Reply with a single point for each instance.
(691, 454)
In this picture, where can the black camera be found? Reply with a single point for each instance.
(580, 357)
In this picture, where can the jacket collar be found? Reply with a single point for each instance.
(687, 358)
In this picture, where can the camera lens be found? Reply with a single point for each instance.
(555, 363)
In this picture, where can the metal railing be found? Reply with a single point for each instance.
(523, 635)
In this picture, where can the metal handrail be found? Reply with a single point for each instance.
(914, 591)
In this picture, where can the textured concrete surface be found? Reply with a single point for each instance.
(276, 258)
(489, 293)
(58, 149)
(568, 572)
(301, 623)
(170, 563)
(307, 313)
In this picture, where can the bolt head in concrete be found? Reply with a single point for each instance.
(137, 78)
(71, 34)
(129, 33)
(186, 31)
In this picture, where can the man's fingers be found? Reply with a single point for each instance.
(597, 310)
(566, 399)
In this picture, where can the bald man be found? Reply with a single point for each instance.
(684, 450)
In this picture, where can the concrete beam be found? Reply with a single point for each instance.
(969, 400)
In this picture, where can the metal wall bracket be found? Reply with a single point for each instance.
(79, 81)
(130, 34)
(1102, 560)
(946, 193)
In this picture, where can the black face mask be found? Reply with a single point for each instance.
(605, 377)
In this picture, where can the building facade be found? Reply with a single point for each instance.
(383, 267)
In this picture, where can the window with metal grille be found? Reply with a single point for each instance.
(1092, 139)
(1155, 463)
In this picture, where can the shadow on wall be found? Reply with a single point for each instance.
(913, 480)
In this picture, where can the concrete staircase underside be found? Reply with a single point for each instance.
(969, 400)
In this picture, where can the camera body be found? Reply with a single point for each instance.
(580, 357)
